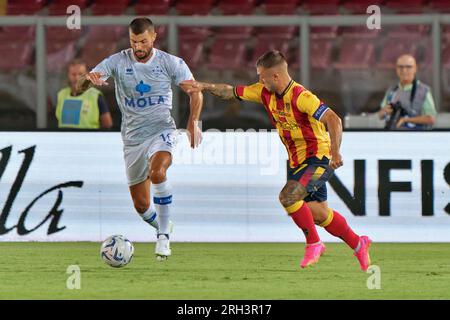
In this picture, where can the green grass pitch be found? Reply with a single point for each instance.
(32, 270)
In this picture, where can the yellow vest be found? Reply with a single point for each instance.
(80, 112)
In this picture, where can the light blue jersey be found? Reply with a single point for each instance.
(143, 91)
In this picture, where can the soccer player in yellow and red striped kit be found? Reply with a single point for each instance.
(312, 134)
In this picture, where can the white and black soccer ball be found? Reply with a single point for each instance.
(117, 251)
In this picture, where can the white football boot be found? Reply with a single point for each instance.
(162, 250)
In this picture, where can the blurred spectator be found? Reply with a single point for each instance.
(409, 104)
(88, 110)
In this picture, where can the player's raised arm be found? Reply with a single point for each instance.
(196, 103)
(224, 91)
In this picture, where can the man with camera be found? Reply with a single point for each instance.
(409, 104)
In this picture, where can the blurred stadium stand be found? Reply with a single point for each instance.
(342, 58)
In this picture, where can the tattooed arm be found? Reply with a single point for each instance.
(224, 91)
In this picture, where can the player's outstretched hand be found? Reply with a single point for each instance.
(194, 134)
(191, 86)
(96, 79)
(336, 161)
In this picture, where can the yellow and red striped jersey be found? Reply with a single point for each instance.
(296, 115)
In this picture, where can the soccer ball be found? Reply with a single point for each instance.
(117, 251)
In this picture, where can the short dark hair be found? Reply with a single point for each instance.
(270, 59)
(140, 25)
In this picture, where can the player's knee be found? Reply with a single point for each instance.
(141, 205)
(157, 175)
(320, 216)
(291, 193)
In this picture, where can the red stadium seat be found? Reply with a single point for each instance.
(400, 6)
(325, 32)
(16, 34)
(280, 7)
(356, 54)
(24, 7)
(59, 7)
(236, 7)
(440, 6)
(62, 34)
(93, 52)
(111, 33)
(319, 55)
(262, 46)
(194, 7)
(239, 32)
(393, 48)
(194, 32)
(152, 7)
(360, 6)
(106, 7)
(445, 55)
(15, 56)
(191, 50)
(59, 54)
(321, 7)
(409, 30)
(359, 32)
(161, 32)
(227, 54)
(282, 32)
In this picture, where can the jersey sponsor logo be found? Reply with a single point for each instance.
(144, 101)
(128, 71)
(143, 88)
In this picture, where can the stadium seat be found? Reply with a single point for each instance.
(111, 33)
(281, 32)
(280, 7)
(359, 32)
(152, 7)
(445, 55)
(320, 55)
(440, 6)
(194, 32)
(59, 7)
(191, 50)
(262, 46)
(93, 52)
(161, 32)
(412, 31)
(16, 34)
(238, 32)
(393, 48)
(236, 7)
(105, 7)
(356, 54)
(360, 6)
(15, 56)
(24, 7)
(323, 32)
(194, 7)
(226, 54)
(59, 54)
(57, 33)
(400, 6)
(321, 7)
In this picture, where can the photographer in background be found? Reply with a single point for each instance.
(409, 104)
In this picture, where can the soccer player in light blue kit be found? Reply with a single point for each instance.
(143, 77)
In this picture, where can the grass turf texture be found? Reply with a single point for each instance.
(34, 270)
